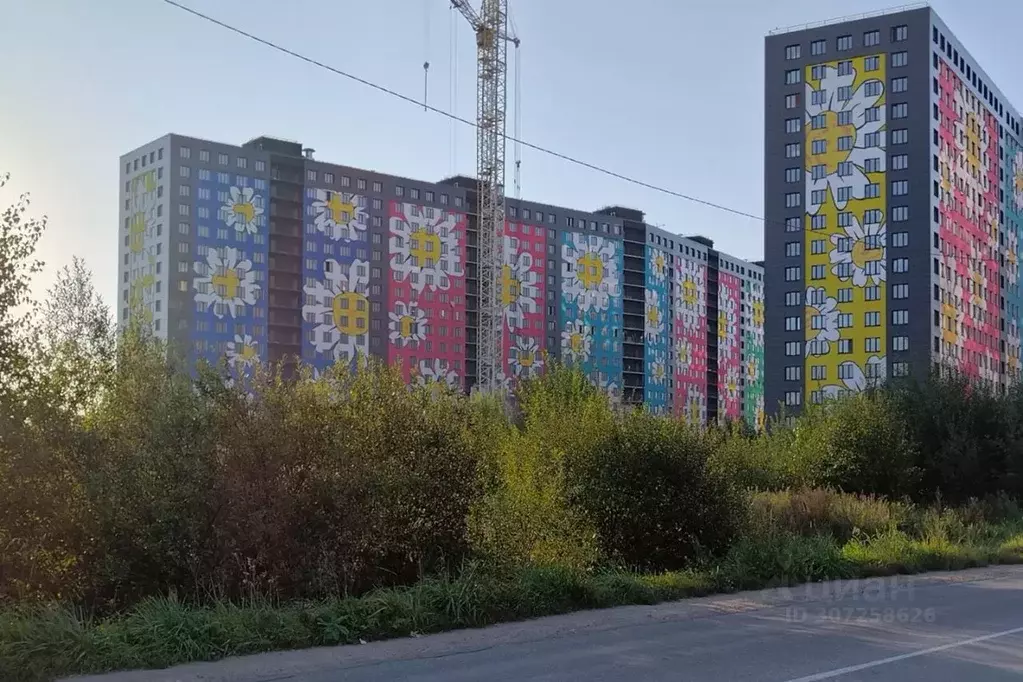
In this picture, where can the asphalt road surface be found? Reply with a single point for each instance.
(965, 626)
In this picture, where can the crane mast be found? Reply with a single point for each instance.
(492, 38)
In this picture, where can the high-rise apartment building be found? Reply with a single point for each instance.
(261, 252)
(893, 197)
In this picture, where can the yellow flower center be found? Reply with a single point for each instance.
(526, 358)
(861, 254)
(424, 245)
(510, 286)
(689, 292)
(340, 211)
(653, 315)
(248, 353)
(229, 280)
(758, 314)
(1019, 180)
(659, 262)
(405, 326)
(722, 325)
(576, 342)
(349, 308)
(245, 211)
(589, 270)
(832, 131)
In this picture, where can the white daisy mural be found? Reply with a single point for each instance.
(407, 324)
(695, 408)
(519, 285)
(657, 371)
(850, 130)
(243, 351)
(425, 250)
(340, 308)
(732, 382)
(524, 357)
(658, 265)
(225, 282)
(589, 271)
(821, 313)
(339, 215)
(576, 342)
(435, 371)
(859, 253)
(242, 209)
(653, 319)
(855, 379)
(683, 355)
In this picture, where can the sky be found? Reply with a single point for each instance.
(669, 92)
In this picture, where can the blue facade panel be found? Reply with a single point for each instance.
(656, 331)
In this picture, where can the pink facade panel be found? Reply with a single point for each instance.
(522, 300)
(729, 347)
(690, 340)
(426, 293)
(969, 215)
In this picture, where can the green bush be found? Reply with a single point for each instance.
(820, 511)
(653, 499)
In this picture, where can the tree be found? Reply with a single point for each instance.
(77, 340)
(19, 235)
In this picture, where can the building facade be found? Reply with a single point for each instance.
(891, 163)
(262, 253)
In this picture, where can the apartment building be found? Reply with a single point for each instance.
(261, 252)
(893, 190)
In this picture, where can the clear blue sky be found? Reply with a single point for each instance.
(668, 91)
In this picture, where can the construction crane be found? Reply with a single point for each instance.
(492, 37)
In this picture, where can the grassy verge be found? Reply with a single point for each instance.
(44, 642)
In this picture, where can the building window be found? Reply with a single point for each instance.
(872, 165)
(873, 88)
(900, 265)
(819, 221)
(793, 199)
(900, 162)
(817, 72)
(818, 247)
(794, 323)
(793, 348)
(900, 188)
(818, 47)
(871, 38)
(793, 76)
(793, 174)
(793, 125)
(900, 343)
(845, 67)
(872, 190)
(900, 59)
(241, 162)
(845, 346)
(793, 373)
(399, 191)
(185, 152)
(793, 248)
(900, 239)
(900, 291)
(900, 33)
(844, 93)
(844, 43)
(900, 136)
(819, 147)
(260, 166)
(872, 319)
(817, 271)
(900, 317)
(872, 114)
(793, 274)
(900, 369)
(791, 101)
(792, 224)
(844, 320)
(413, 193)
(793, 398)
(377, 186)
(792, 52)
(819, 97)
(871, 63)
(900, 214)
(222, 159)
(900, 110)
(872, 293)
(793, 298)
(873, 344)
(900, 84)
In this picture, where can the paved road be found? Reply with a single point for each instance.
(954, 626)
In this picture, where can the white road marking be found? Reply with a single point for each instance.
(831, 674)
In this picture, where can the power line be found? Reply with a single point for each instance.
(454, 117)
